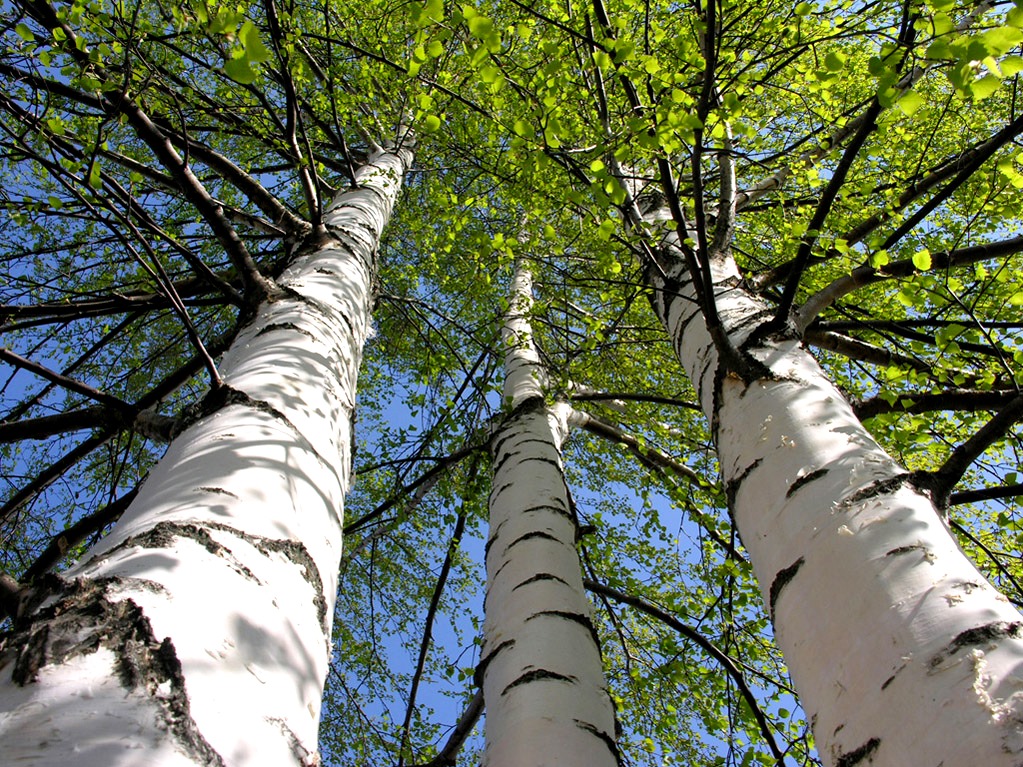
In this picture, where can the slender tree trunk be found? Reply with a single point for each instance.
(199, 630)
(543, 681)
(900, 650)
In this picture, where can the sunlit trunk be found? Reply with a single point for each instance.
(198, 631)
(901, 652)
(543, 682)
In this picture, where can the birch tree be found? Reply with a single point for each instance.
(541, 666)
(198, 631)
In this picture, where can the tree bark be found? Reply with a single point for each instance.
(900, 650)
(542, 674)
(199, 630)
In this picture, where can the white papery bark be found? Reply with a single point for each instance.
(524, 376)
(542, 673)
(901, 652)
(198, 631)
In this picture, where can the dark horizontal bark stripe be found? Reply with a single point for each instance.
(581, 619)
(804, 480)
(492, 539)
(855, 757)
(879, 487)
(275, 326)
(541, 577)
(891, 679)
(981, 635)
(733, 486)
(906, 550)
(529, 536)
(539, 675)
(551, 508)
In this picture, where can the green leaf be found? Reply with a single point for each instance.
(922, 260)
(910, 102)
(431, 123)
(480, 27)
(252, 44)
(1011, 65)
(835, 61)
(984, 87)
(240, 71)
(24, 32)
(434, 10)
(803, 9)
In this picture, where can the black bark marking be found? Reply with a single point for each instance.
(275, 326)
(502, 458)
(733, 486)
(804, 480)
(528, 536)
(540, 675)
(481, 667)
(492, 540)
(217, 491)
(582, 620)
(299, 555)
(768, 334)
(541, 577)
(498, 490)
(223, 397)
(781, 580)
(606, 738)
(85, 619)
(324, 310)
(756, 318)
(560, 511)
(851, 758)
(906, 549)
(989, 632)
(163, 534)
(891, 679)
(497, 443)
(876, 488)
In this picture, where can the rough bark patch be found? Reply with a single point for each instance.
(82, 621)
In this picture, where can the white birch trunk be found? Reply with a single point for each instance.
(198, 631)
(542, 673)
(901, 652)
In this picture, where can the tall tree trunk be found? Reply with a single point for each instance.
(199, 630)
(543, 680)
(900, 650)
